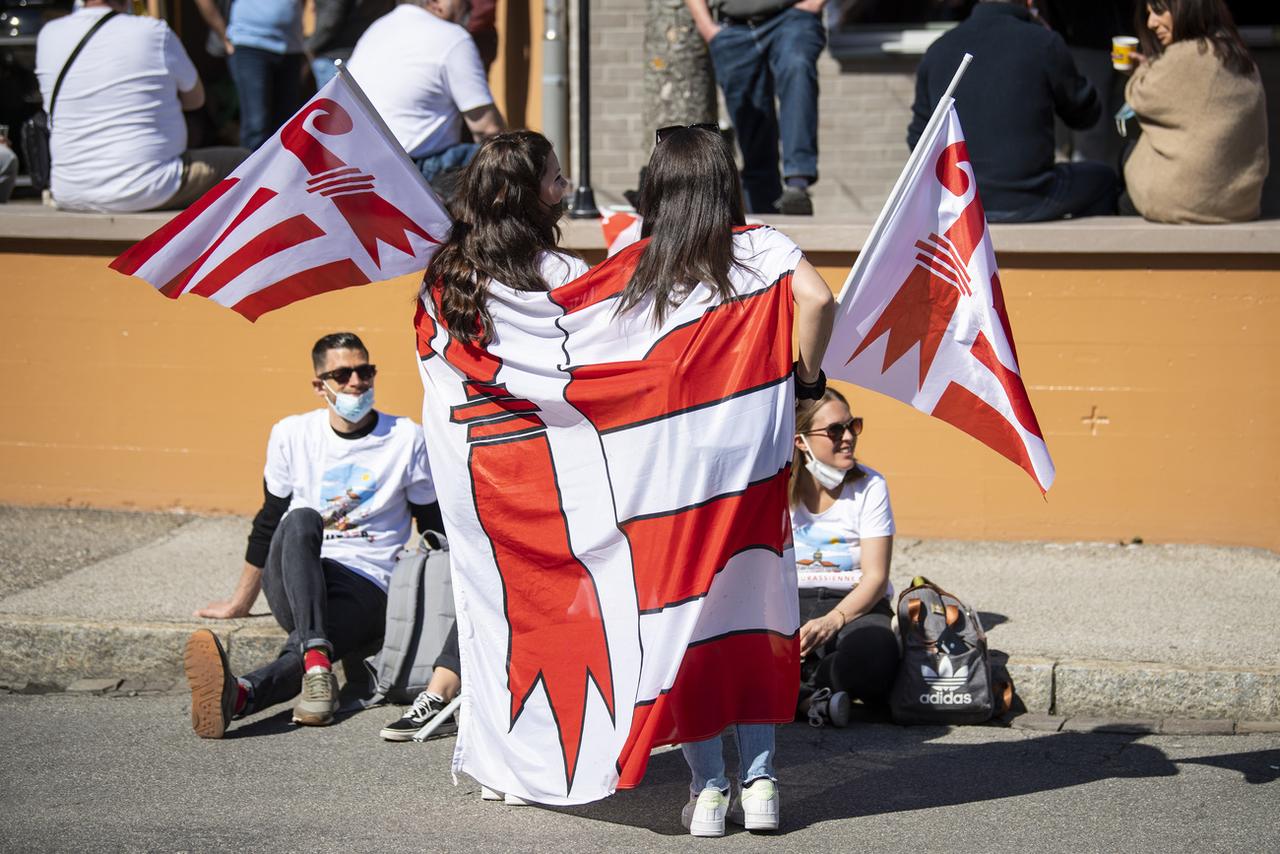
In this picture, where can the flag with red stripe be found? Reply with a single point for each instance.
(923, 318)
(329, 202)
(616, 498)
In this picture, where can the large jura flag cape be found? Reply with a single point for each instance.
(328, 202)
(922, 318)
(615, 495)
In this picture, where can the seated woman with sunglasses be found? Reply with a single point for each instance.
(842, 526)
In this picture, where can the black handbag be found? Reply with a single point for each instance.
(34, 134)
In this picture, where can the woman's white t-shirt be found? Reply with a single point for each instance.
(829, 545)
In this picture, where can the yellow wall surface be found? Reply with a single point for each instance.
(1156, 389)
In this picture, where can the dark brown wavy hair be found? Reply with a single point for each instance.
(500, 227)
(690, 201)
(1199, 20)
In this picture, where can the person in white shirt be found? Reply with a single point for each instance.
(118, 141)
(422, 72)
(341, 487)
(842, 527)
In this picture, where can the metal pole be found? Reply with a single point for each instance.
(555, 76)
(584, 200)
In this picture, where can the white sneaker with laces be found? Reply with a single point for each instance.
(705, 812)
(758, 806)
(487, 794)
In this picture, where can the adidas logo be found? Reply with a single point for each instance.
(944, 678)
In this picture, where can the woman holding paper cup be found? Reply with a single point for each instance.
(1202, 155)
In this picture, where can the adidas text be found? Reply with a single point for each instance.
(946, 699)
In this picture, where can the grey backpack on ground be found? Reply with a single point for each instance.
(945, 676)
(420, 619)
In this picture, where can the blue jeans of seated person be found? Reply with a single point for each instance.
(455, 156)
(1078, 189)
(269, 88)
(755, 756)
(323, 70)
(754, 65)
(318, 601)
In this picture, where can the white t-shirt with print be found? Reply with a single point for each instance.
(118, 131)
(420, 73)
(361, 487)
(829, 545)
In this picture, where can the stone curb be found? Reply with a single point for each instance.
(59, 652)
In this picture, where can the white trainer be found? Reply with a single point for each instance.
(487, 794)
(758, 806)
(704, 814)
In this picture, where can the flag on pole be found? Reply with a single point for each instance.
(330, 201)
(922, 318)
(621, 229)
(616, 500)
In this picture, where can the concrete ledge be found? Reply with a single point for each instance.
(31, 221)
(1033, 683)
(1123, 689)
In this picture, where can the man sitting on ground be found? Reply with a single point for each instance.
(423, 75)
(118, 141)
(340, 488)
(1022, 74)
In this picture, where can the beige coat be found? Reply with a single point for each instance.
(1202, 156)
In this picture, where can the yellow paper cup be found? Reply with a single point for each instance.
(1122, 51)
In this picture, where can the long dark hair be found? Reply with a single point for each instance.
(500, 227)
(1199, 20)
(690, 201)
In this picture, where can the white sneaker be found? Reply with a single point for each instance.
(758, 806)
(704, 814)
(487, 794)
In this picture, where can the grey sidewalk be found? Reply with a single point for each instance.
(1091, 630)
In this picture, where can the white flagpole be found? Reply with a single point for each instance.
(352, 86)
(908, 172)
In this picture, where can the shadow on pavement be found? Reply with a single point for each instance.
(1262, 766)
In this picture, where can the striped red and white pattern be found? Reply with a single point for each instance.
(925, 320)
(330, 201)
(615, 496)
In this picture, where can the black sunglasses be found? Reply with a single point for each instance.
(341, 375)
(663, 133)
(835, 432)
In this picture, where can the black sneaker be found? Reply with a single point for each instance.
(418, 715)
(795, 201)
(213, 688)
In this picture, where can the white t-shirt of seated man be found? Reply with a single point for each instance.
(420, 73)
(360, 487)
(118, 133)
(829, 545)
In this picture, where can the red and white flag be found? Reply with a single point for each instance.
(621, 229)
(923, 318)
(330, 201)
(616, 499)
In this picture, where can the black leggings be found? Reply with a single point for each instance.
(861, 660)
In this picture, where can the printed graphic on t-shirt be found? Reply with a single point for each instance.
(826, 557)
(344, 490)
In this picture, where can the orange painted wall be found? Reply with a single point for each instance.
(121, 398)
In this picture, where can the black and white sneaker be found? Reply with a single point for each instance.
(418, 715)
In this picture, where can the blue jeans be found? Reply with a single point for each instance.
(755, 752)
(454, 157)
(755, 64)
(1078, 189)
(270, 91)
(323, 70)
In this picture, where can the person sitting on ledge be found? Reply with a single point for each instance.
(1202, 155)
(341, 487)
(118, 141)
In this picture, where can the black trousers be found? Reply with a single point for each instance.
(318, 601)
(861, 660)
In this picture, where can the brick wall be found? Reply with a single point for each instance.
(863, 116)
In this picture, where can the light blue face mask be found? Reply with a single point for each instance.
(352, 407)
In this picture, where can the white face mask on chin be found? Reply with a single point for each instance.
(824, 473)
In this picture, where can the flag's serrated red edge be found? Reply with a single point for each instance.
(132, 259)
(333, 276)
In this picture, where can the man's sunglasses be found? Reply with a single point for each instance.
(835, 432)
(663, 133)
(341, 375)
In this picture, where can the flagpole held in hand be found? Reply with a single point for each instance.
(904, 179)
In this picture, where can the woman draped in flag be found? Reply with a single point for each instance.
(612, 456)
(843, 527)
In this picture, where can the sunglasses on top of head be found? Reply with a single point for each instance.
(835, 432)
(663, 133)
(341, 375)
